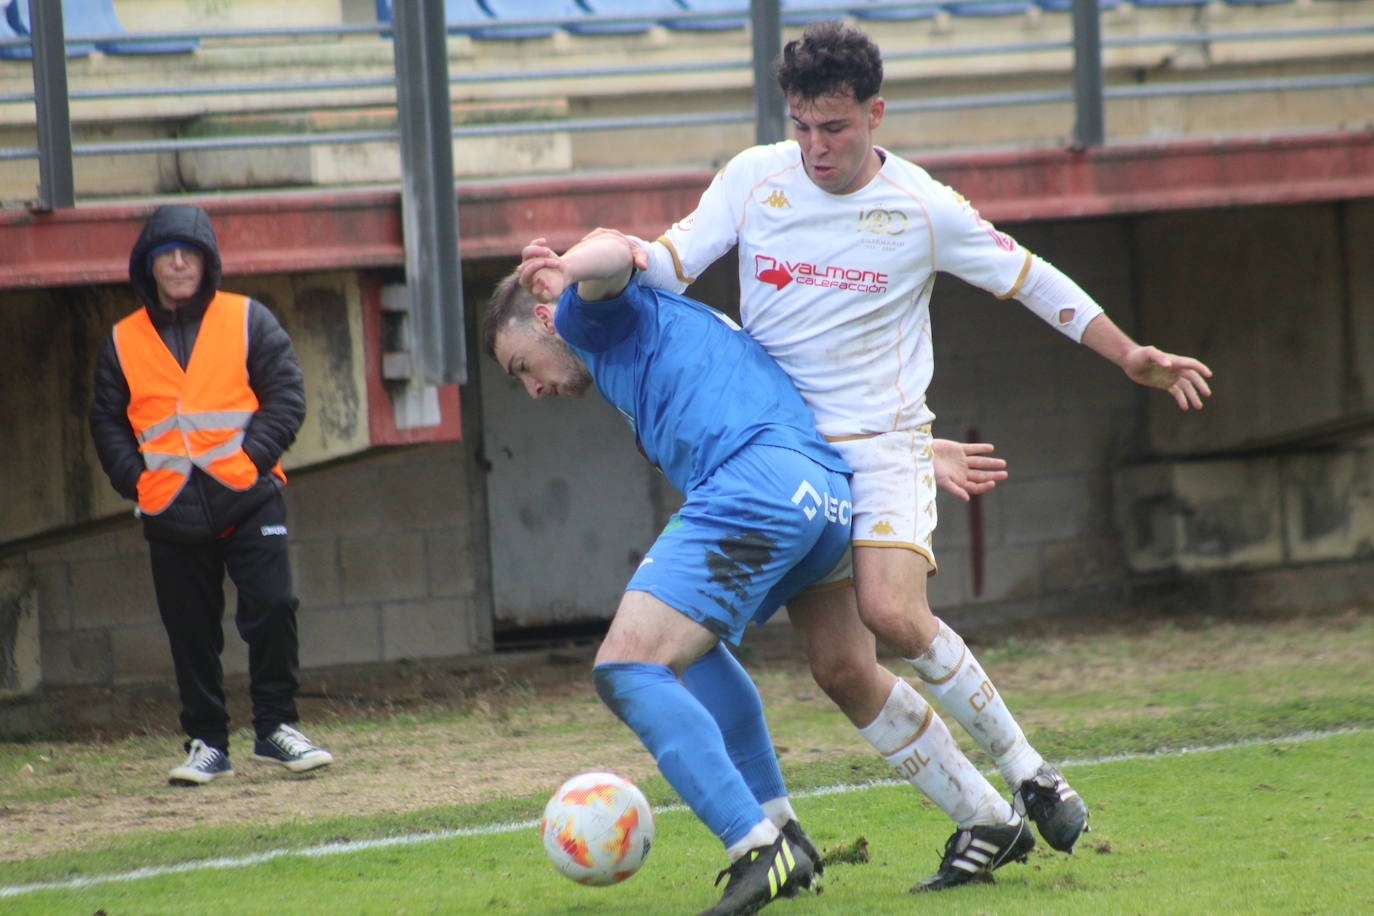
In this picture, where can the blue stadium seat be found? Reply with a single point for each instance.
(17, 18)
(97, 17)
(737, 15)
(1056, 6)
(895, 13)
(800, 12)
(1170, 2)
(997, 8)
(7, 31)
(548, 10)
(462, 17)
(655, 9)
(1255, 2)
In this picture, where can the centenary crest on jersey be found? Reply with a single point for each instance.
(883, 222)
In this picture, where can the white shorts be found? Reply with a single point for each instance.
(893, 490)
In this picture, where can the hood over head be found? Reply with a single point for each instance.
(175, 223)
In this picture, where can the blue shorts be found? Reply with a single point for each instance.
(768, 523)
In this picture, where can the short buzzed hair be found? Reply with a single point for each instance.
(830, 58)
(510, 305)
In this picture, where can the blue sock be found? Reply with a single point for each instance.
(685, 741)
(721, 684)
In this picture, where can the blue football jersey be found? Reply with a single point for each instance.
(693, 385)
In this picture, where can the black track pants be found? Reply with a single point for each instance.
(189, 581)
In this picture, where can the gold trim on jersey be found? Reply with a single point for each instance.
(1020, 278)
(677, 262)
(923, 428)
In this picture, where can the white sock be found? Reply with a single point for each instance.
(916, 743)
(761, 834)
(956, 679)
(779, 811)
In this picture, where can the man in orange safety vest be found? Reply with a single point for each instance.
(197, 395)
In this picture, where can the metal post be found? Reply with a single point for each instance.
(55, 186)
(1088, 127)
(429, 201)
(770, 109)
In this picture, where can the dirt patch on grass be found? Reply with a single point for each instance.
(415, 737)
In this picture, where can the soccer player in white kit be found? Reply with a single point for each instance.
(839, 243)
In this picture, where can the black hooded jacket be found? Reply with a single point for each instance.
(205, 508)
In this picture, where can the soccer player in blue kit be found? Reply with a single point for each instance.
(766, 514)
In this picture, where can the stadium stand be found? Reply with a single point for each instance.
(562, 117)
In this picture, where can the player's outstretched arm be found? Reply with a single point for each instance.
(600, 264)
(966, 468)
(1183, 377)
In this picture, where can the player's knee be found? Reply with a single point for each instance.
(898, 620)
(885, 618)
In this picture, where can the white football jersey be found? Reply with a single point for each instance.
(837, 287)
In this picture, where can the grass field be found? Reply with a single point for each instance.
(1227, 766)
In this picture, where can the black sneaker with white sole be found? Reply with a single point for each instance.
(797, 836)
(974, 852)
(203, 764)
(1059, 814)
(292, 750)
(762, 875)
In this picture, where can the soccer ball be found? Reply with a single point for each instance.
(597, 829)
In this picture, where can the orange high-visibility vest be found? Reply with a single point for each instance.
(192, 417)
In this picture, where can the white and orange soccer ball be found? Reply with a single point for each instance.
(597, 828)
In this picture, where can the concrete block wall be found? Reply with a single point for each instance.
(1258, 512)
(1058, 413)
(380, 551)
(20, 662)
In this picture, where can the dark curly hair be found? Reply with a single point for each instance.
(830, 57)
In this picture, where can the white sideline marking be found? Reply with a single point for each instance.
(413, 839)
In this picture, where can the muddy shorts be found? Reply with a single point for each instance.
(768, 523)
